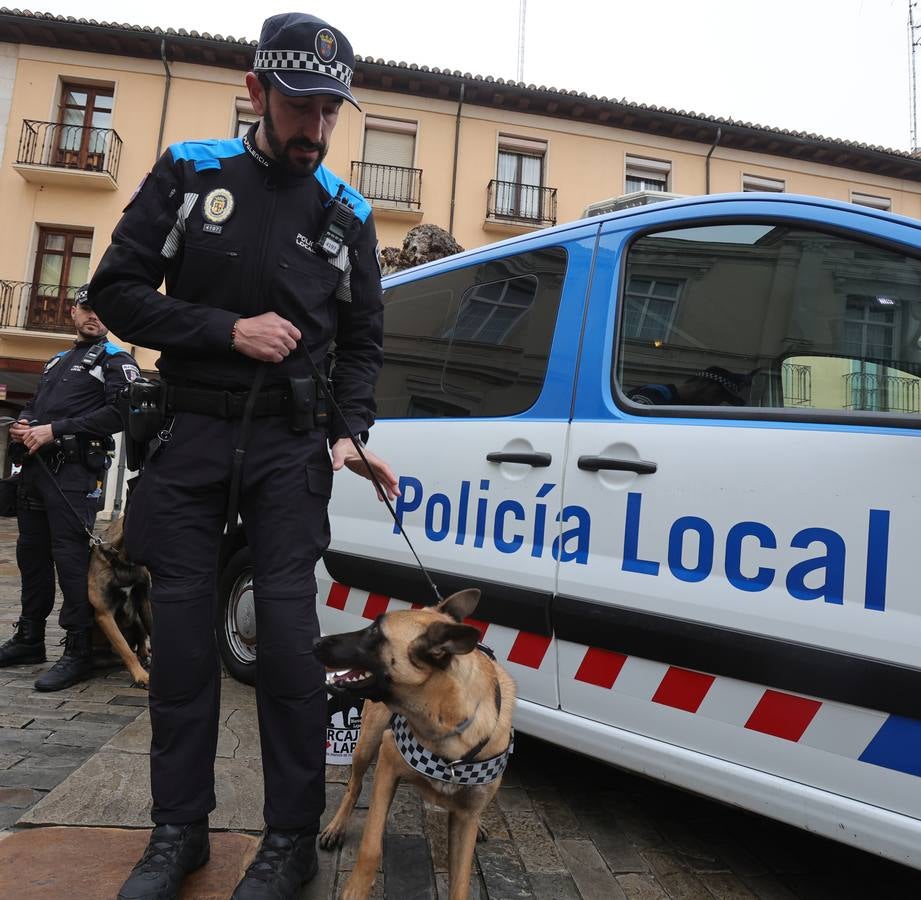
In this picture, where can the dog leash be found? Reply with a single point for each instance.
(359, 446)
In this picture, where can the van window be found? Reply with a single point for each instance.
(473, 341)
(769, 315)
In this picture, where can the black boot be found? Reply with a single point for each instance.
(74, 666)
(27, 645)
(172, 852)
(284, 863)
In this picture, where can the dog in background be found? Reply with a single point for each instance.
(119, 591)
(436, 703)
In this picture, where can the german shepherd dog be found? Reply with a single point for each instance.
(119, 591)
(423, 665)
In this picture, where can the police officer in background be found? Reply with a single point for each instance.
(62, 439)
(269, 261)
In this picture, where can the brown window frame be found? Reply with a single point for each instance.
(84, 157)
(50, 310)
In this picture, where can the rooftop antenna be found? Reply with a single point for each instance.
(913, 41)
(522, 13)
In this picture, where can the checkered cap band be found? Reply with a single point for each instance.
(482, 772)
(300, 61)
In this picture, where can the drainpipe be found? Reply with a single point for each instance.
(169, 78)
(457, 124)
(719, 134)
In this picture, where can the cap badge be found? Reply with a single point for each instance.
(325, 43)
(218, 206)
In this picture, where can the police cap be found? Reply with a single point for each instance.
(81, 297)
(303, 55)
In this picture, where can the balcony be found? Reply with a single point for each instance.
(516, 207)
(882, 393)
(29, 306)
(70, 155)
(395, 191)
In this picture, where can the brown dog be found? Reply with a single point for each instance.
(457, 703)
(119, 591)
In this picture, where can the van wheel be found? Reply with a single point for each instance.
(236, 618)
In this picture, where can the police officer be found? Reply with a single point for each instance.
(269, 260)
(62, 438)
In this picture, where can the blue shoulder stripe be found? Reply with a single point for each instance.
(331, 184)
(206, 154)
(114, 349)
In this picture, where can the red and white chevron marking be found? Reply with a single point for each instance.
(847, 731)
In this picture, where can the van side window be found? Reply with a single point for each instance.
(769, 315)
(473, 341)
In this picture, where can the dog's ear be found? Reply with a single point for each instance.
(460, 605)
(441, 641)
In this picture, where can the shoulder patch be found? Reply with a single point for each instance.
(206, 154)
(131, 373)
(332, 184)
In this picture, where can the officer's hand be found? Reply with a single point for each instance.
(268, 338)
(18, 431)
(345, 454)
(37, 437)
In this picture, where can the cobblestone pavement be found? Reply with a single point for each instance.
(563, 828)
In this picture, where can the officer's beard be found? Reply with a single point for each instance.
(281, 152)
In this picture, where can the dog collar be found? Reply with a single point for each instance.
(483, 771)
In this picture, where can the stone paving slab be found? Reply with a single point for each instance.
(42, 863)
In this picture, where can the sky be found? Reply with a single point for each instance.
(838, 68)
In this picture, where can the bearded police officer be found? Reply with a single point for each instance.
(270, 261)
(62, 438)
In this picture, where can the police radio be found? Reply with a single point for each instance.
(340, 217)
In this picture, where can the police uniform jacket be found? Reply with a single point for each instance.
(80, 399)
(233, 235)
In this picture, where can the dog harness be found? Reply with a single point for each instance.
(483, 771)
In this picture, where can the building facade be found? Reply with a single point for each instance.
(86, 108)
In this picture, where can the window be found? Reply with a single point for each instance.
(520, 177)
(883, 203)
(62, 264)
(759, 183)
(649, 307)
(84, 123)
(244, 118)
(772, 316)
(472, 342)
(646, 174)
(386, 170)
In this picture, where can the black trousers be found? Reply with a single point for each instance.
(174, 526)
(51, 537)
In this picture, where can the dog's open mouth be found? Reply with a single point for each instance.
(350, 678)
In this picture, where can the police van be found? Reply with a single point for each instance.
(676, 447)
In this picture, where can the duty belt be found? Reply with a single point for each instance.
(225, 404)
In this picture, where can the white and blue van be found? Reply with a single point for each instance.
(677, 448)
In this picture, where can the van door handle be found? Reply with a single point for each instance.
(607, 463)
(538, 460)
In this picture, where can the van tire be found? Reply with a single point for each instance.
(236, 618)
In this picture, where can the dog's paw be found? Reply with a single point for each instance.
(143, 682)
(482, 833)
(330, 838)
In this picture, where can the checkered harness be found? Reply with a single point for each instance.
(483, 771)
(301, 61)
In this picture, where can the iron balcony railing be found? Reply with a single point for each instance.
(35, 306)
(797, 384)
(74, 147)
(521, 202)
(883, 393)
(392, 184)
